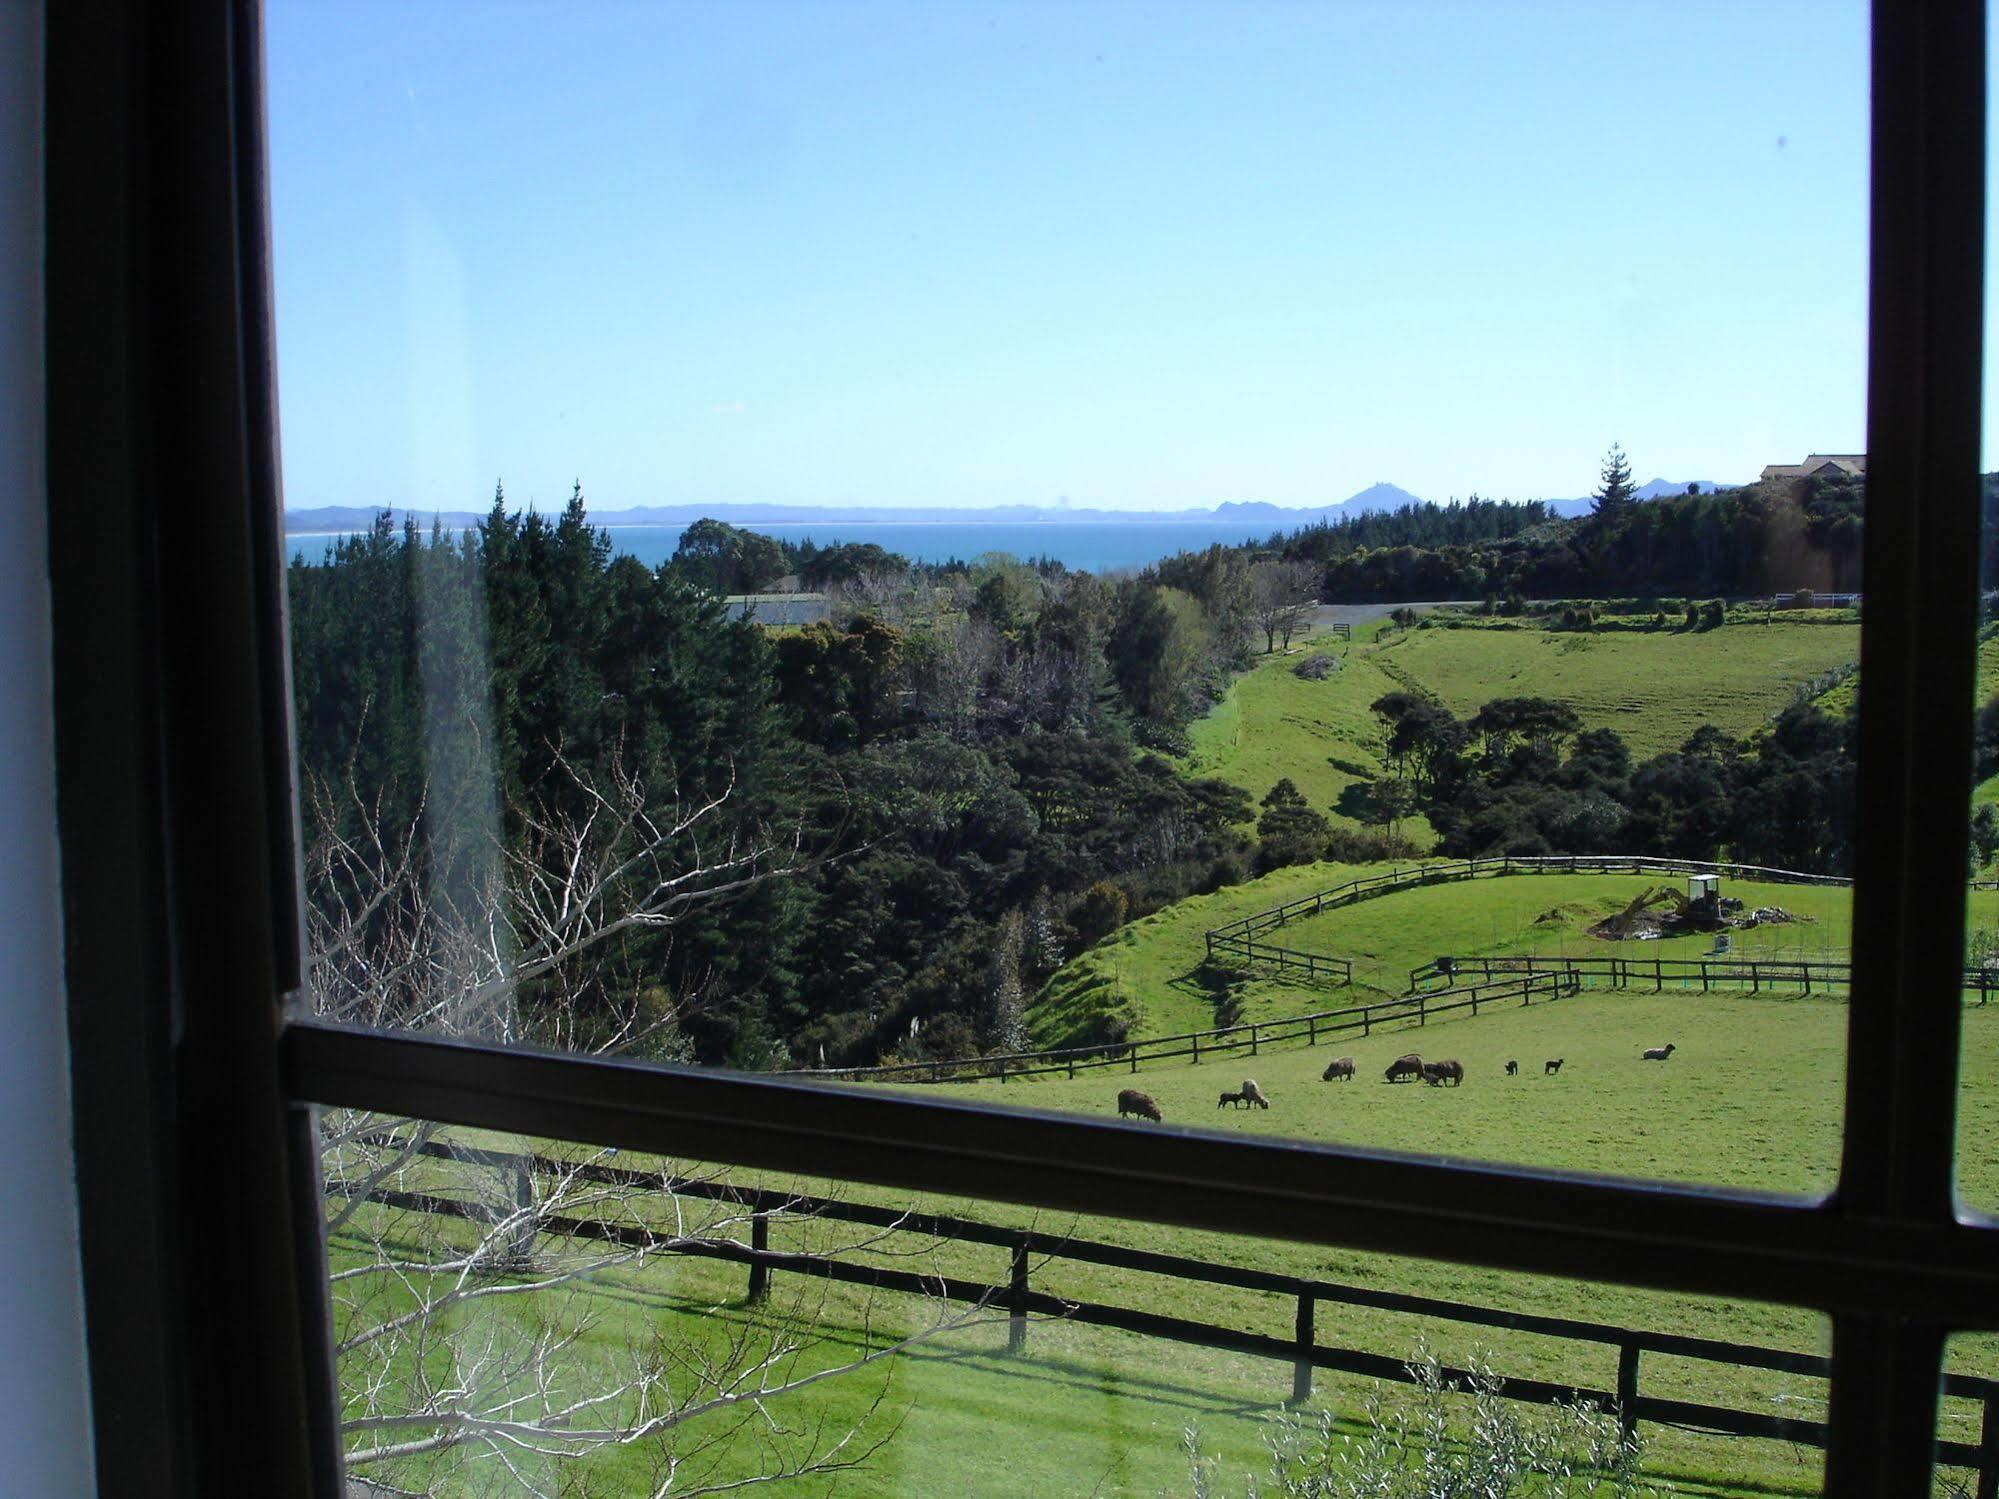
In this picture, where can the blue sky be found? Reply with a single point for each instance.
(1134, 256)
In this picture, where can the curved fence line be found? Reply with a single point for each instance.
(1246, 1039)
(1237, 938)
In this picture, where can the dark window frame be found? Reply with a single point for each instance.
(198, 1179)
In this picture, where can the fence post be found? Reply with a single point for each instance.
(1301, 1369)
(1253, 1038)
(1988, 1447)
(1658, 976)
(522, 1248)
(1016, 1325)
(1197, 1048)
(1627, 1391)
(759, 1244)
(1311, 1030)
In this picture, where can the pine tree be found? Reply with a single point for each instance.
(1617, 492)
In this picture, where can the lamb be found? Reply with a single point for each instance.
(1660, 1053)
(1554, 1064)
(1340, 1068)
(1434, 1073)
(1131, 1101)
(1409, 1065)
(1253, 1094)
(1512, 1068)
(1228, 1098)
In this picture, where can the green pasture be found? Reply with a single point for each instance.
(1275, 724)
(1750, 1099)
(1150, 977)
(1652, 686)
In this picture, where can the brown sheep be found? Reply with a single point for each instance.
(1511, 1068)
(1434, 1073)
(1410, 1065)
(1228, 1098)
(1554, 1064)
(1660, 1053)
(1131, 1101)
(1340, 1068)
(1253, 1094)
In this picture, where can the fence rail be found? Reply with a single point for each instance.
(1755, 974)
(1237, 939)
(1303, 1350)
(1248, 1038)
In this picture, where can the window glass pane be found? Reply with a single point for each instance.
(1968, 1418)
(782, 737)
(584, 1317)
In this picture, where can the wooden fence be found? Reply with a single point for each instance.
(1246, 1039)
(1785, 976)
(1303, 1350)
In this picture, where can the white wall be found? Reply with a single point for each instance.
(44, 1397)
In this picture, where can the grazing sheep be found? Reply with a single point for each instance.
(1554, 1065)
(1660, 1053)
(1340, 1068)
(1131, 1101)
(1434, 1073)
(1253, 1094)
(1228, 1098)
(1409, 1065)
(1511, 1068)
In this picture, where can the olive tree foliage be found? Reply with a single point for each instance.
(470, 1287)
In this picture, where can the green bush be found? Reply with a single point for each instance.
(1452, 1439)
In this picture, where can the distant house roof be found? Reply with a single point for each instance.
(780, 608)
(1819, 464)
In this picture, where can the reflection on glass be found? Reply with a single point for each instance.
(958, 780)
(587, 1317)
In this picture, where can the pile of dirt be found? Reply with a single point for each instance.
(1666, 914)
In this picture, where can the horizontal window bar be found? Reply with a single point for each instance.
(1791, 1250)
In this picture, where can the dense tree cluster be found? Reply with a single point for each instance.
(947, 788)
(1522, 776)
(1762, 538)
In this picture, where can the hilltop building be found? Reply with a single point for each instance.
(1819, 465)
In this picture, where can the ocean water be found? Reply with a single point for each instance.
(1094, 546)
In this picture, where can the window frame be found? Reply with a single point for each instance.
(207, 1310)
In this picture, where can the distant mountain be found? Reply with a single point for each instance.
(1379, 495)
(1257, 515)
(1660, 487)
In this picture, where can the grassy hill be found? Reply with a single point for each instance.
(1274, 723)
(1652, 686)
(1149, 975)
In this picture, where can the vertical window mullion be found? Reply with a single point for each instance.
(1918, 632)
(1918, 656)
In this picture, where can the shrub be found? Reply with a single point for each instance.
(1369, 846)
(1316, 668)
(1451, 1439)
(1714, 614)
(1100, 912)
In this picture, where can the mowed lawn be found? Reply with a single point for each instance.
(1653, 687)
